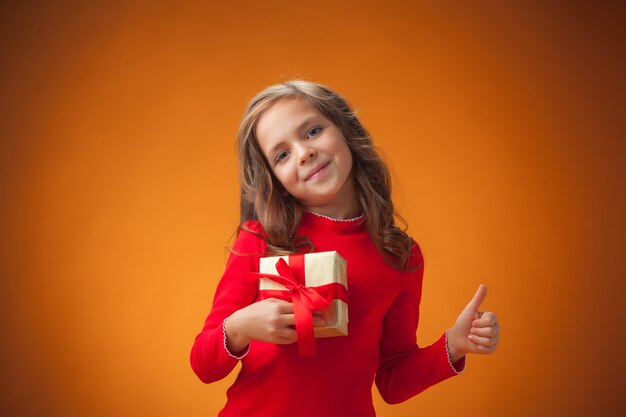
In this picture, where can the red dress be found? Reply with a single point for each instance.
(380, 347)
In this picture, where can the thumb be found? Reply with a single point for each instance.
(478, 299)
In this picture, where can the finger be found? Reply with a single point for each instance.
(285, 320)
(482, 341)
(486, 349)
(284, 307)
(484, 331)
(319, 321)
(488, 319)
(286, 336)
(478, 299)
(284, 341)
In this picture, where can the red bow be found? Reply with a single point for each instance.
(305, 299)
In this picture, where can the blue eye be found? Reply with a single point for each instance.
(314, 131)
(281, 156)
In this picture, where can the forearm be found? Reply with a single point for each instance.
(401, 376)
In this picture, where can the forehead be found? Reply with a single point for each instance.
(283, 119)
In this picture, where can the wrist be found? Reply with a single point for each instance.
(235, 339)
(455, 353)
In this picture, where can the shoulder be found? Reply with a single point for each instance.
(416, 258)
(252, 227)
(250, 238)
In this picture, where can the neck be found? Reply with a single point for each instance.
(344, 210)
(335, 215)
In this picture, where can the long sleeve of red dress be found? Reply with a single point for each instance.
(405, 369)
(209, 358)
(380, 346)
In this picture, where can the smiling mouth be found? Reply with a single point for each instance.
(316, 173)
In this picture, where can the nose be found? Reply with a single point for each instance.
(306, 154)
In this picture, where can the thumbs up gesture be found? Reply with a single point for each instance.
(475, 331)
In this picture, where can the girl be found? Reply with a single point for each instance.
(312, 180)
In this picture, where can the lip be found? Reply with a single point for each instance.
(316, 170)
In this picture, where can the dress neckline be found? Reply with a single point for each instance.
(333, 219)
(317, 223)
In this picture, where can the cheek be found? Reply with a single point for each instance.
(346, 156)
(286, 176)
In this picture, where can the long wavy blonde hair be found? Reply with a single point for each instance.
(264, 198)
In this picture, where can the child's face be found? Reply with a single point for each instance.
(308, 154)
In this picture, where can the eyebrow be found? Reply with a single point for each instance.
(299, 128)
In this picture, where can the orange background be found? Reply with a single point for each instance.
(502, 125)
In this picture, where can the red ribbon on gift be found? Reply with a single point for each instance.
(304, 299)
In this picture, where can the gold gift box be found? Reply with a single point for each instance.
(320, 268)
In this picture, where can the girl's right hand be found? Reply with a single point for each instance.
(270, 320)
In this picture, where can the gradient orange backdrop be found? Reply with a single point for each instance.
(501, 123)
